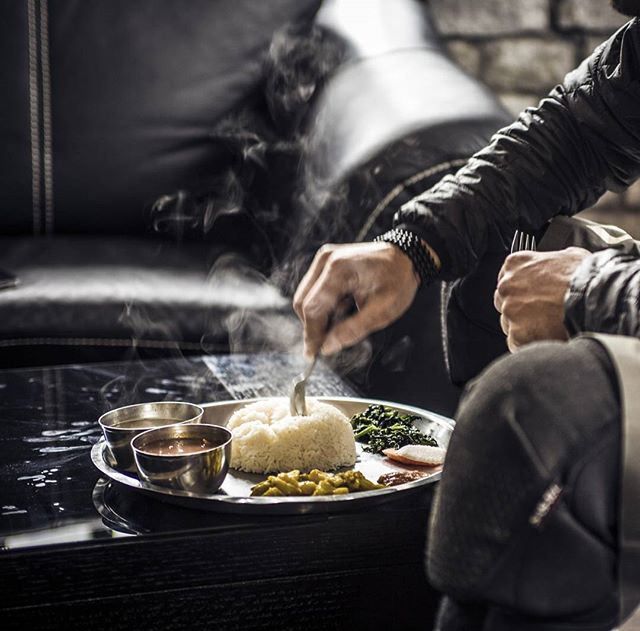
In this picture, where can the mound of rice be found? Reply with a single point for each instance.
(266, 438)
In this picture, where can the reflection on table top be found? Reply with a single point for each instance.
(49, 488)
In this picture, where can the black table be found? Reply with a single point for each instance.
(80, 552)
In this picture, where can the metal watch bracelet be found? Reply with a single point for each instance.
(411, 244)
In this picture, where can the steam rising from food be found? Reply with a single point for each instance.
(266, 205)
(260, 193)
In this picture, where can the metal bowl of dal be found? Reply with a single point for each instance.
(121, 425)
(188, 457)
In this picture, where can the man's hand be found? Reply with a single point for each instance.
(530, 294)
(378, 276)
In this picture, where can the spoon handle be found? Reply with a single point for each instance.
(309, 367)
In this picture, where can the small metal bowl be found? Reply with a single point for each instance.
(121, 425)
(198, 469)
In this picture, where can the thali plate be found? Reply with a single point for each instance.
(234, 496)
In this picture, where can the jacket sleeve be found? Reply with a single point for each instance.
(604, 295)
(558, 158)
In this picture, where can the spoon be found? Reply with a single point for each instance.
(297, 400)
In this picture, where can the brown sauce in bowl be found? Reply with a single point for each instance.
(178, 446)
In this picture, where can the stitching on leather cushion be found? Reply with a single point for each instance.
(47, 149)
(34, 115)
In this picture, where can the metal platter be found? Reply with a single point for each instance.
(234, 496)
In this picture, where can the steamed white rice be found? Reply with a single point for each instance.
(266, 438)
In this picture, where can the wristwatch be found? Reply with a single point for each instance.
(411, 244)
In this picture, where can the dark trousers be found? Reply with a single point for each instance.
(523, 529)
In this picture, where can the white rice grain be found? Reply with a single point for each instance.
(266, 438)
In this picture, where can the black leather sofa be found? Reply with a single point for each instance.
(167, 169)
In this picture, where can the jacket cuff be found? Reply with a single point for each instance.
(582, 312)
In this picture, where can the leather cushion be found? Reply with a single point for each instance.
(129, 288)
(136, 89)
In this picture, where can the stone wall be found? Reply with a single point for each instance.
(522, 48)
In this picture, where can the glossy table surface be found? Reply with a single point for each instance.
(49, 490)
(58, 513)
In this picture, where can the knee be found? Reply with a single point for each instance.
(517, 426)
(551, 395)
(504, 396)
(501, 407)
(488, 477)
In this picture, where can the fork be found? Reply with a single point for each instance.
(523, 241)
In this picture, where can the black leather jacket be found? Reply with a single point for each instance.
(558, 158)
